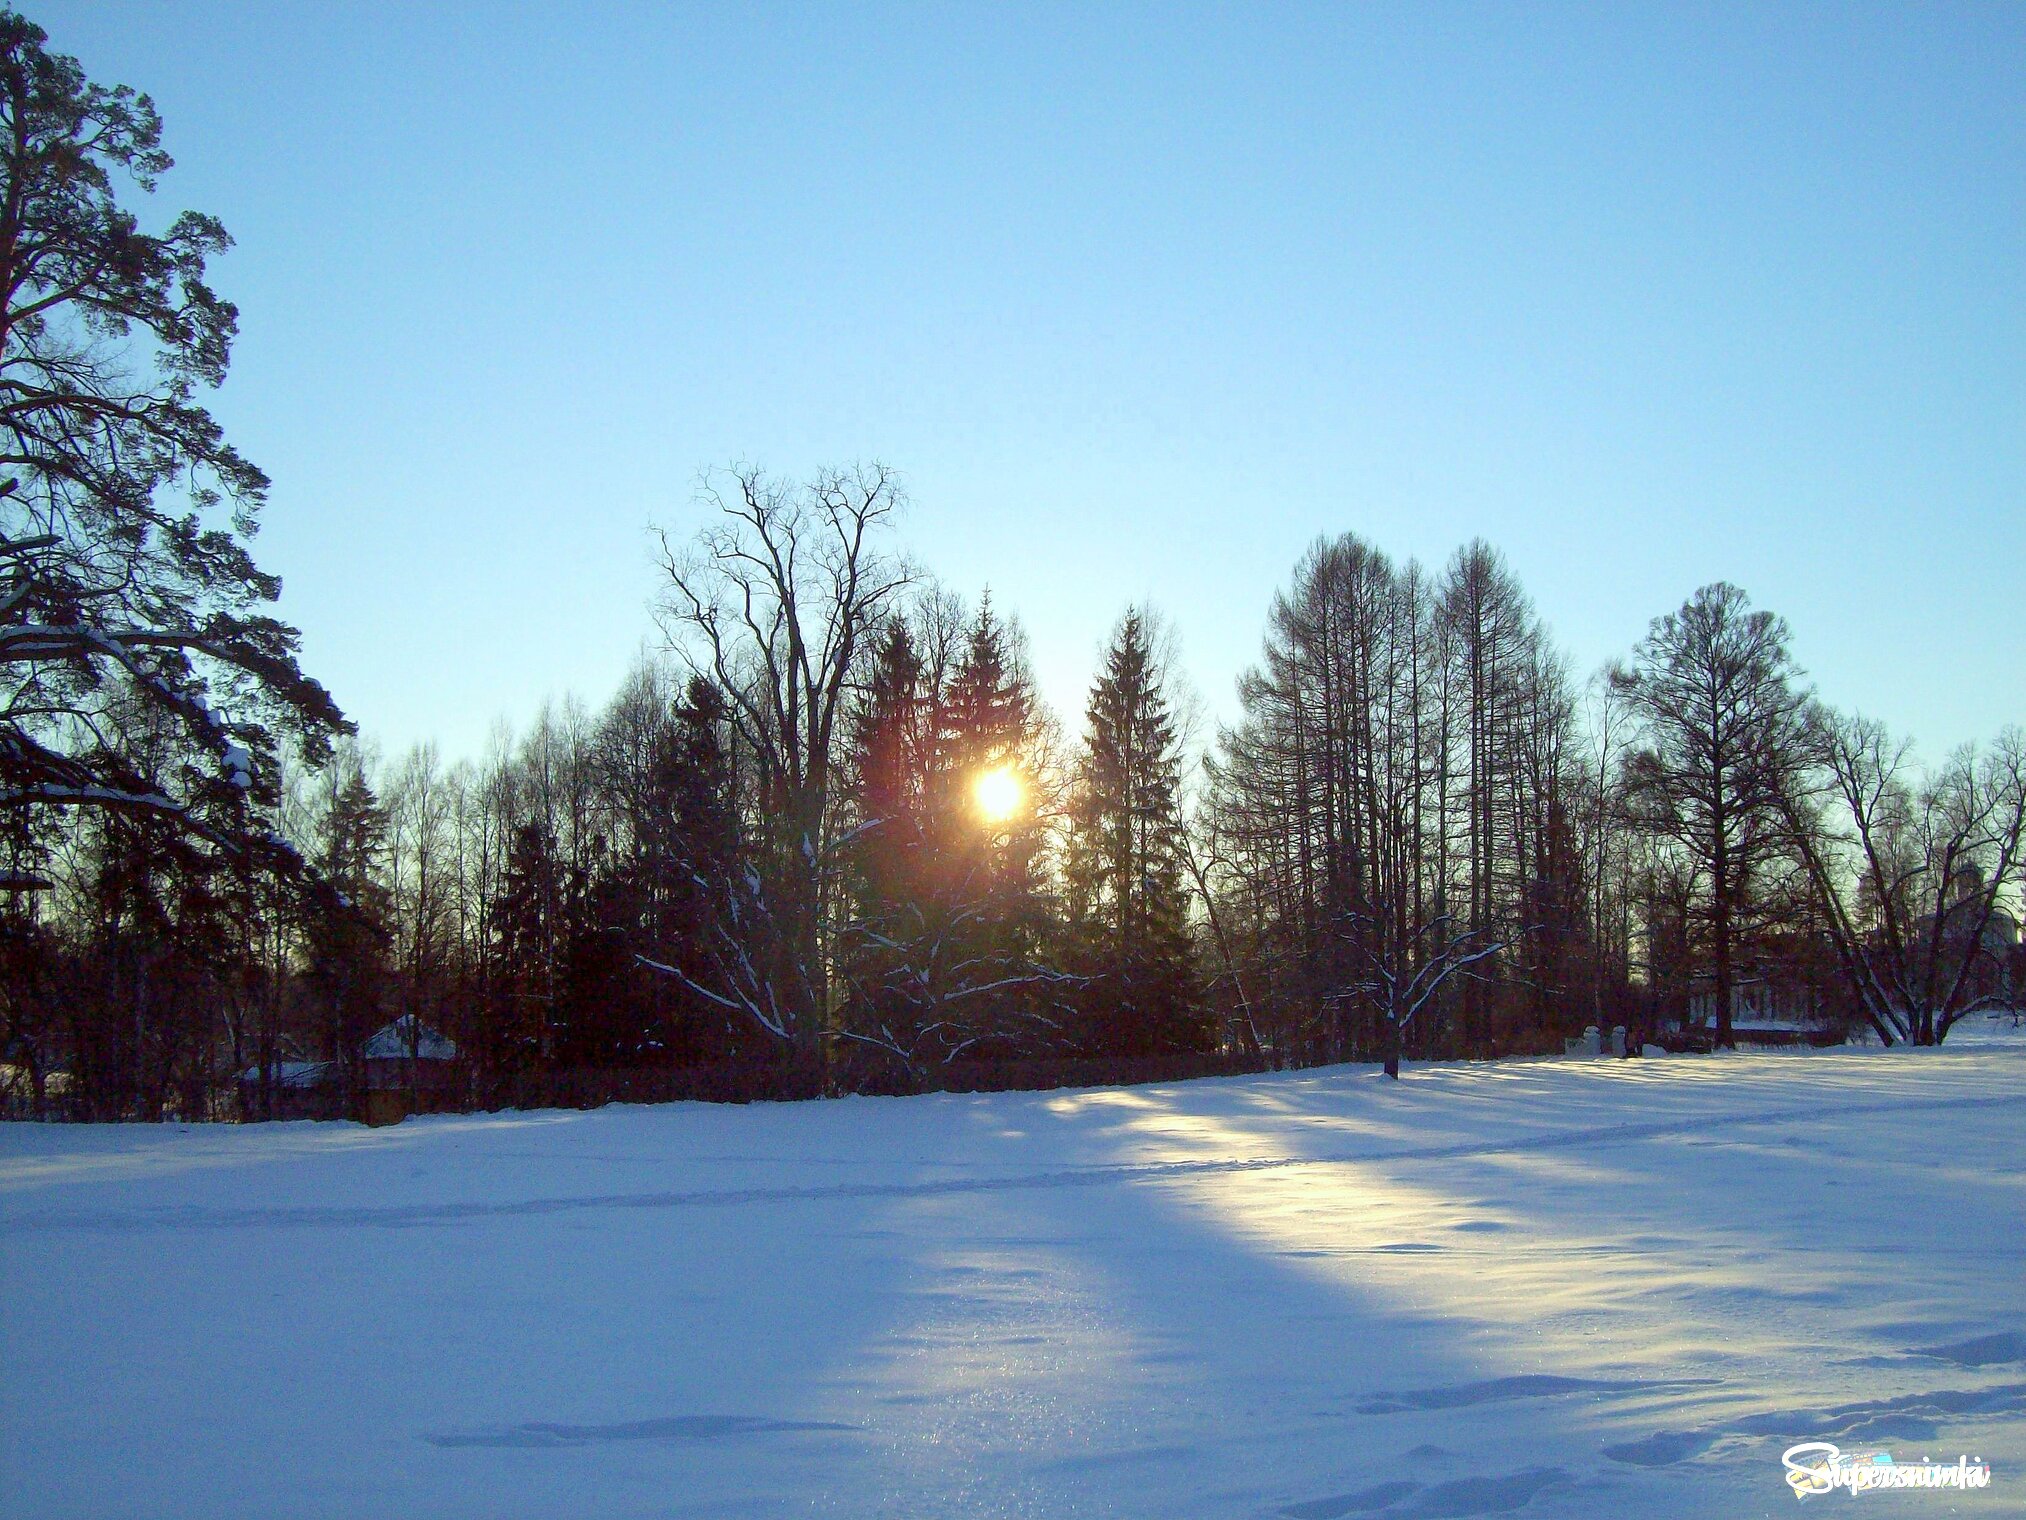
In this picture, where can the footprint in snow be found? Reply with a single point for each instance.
(1363, 1502)
(1459, 1497)
(1909, 1417)
(1981, 1351)
(1663, 1448)
(1502, 1390)
(682, 1427)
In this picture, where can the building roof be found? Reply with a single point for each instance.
(2001, 929)
(299, 1075)
(405, 1037)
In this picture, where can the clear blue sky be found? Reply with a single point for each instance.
(1141, 301)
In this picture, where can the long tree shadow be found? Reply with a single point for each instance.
(1443, 1303)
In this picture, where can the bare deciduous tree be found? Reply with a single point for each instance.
(774, 601)
(1402, 976)
(1909, 870)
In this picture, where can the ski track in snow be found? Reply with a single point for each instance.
(197, 1217)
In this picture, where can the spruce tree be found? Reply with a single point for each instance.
(1125, 865)
(988, 713)
(894, 765)
(528, 922)
(887, 888)
(603, 1015)
(706, 910)
(989, 722)
(942, 950)
(346, 927)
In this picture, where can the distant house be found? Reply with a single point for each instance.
(408, 1068)
(405, 1067)
(290, 1089)
(1996, 966)
(2000, 934)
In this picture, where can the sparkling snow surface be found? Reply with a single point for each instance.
(1562, 1288)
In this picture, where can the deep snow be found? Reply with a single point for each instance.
(1588, 1288)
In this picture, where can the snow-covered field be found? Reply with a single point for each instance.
(1590, 1288)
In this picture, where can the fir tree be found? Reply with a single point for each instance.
(1125, 864)
(988, 723)
(894, 767)
(942, 949)
(988, 713)
(528, 924)
(706, 906)
(346, 929)
(603, 1016)
(889, 888)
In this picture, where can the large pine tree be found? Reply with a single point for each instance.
(528, 922)
(988, 712)
(132, 615)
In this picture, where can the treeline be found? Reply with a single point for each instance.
(832, 839)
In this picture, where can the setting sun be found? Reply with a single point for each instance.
(998, 793)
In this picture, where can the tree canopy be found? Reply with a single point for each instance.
(140, 671)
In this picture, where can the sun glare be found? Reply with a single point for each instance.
(997, 793)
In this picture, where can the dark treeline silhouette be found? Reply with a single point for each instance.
(1418, 838)
(827, 836)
